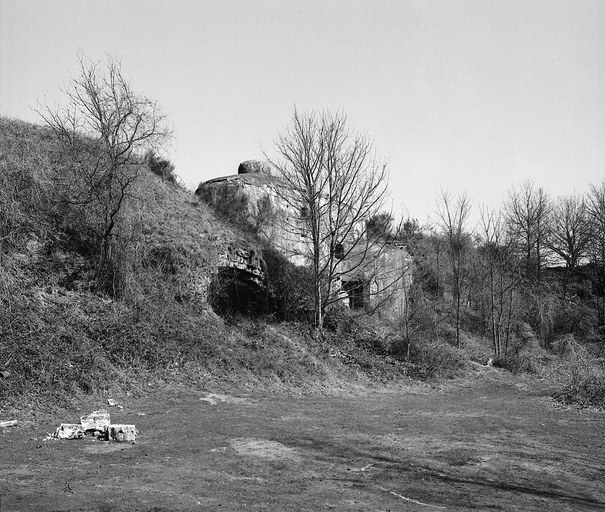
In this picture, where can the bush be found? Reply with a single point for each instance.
(360, 330)
(288, 287)
(585, 386)
(518, 362)
(524, 355)
(575, 317)
(432, 360)
(161, 167)
(588, 391)
(551, 316)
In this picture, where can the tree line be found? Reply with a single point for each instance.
(536, 263)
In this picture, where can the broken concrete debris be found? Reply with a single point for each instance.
(97, 423)
(96, 420)
(112, 403)
(121, 433)
(69, 431)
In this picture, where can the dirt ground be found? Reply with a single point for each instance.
(495, 442)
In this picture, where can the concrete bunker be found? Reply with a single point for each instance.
(370, 279)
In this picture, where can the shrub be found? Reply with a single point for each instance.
(551, 315)
(339, 319)
(161, 167)
(517, 362)
(588, 391)
(575, 317)
(585, 381)
(435, 359)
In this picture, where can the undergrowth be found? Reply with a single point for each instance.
(583, 391)
(581, 371)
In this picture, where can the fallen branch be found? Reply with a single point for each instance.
(409, 499)
(361, 470)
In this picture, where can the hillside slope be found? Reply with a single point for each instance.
(62, 337)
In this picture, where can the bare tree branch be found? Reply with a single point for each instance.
(453, 218)
(104, 128)
(334, 182)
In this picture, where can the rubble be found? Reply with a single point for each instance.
(121, 433)
(97, 422)
(112, 403)
(69, 431)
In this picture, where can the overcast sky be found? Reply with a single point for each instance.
(461, 95)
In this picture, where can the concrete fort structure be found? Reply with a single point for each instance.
(370, 276)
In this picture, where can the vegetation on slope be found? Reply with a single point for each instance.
(63, 336)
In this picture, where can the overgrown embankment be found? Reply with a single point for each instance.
(66, 334)
(70, 327)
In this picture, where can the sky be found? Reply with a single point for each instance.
(460, 96)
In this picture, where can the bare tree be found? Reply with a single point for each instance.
(568, 234)
(526, 213)
(333, 182)
(429, 251)
(596, 247)
(407, 230)
(104, 128)
(413, 315)
(499, 279)
(453, 217)
(595, 206)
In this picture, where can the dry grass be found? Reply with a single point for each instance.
(580, 374)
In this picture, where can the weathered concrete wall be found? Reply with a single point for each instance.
(274, 220)
(393, 280)
(377, 277)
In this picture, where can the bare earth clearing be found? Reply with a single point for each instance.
(492, 443)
